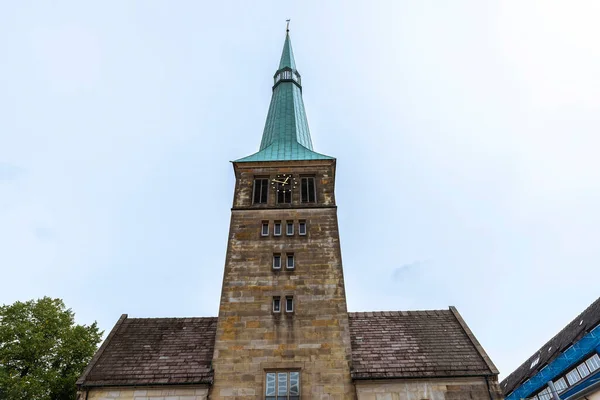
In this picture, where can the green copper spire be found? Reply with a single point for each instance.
(286, 135)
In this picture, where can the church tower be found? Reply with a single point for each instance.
(282, 330)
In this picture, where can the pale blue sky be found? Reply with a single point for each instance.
(466, 134)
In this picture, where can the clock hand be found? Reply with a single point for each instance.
(286, 179)
(275, 180)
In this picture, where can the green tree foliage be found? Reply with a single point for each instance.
(42, 351)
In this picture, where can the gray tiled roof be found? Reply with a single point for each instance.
(409, 344)
(394, 344)
(145, 351)
(570, 334)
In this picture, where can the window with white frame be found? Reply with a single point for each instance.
(276, 261)
(593, 362)
(289, 228)
(560, 385)
(277, 228)
(289, 304)
(302, 228)
(545, 394)
(282, 385)
(290, 261)
(573, 377)
(264, 231)
(276, 304)
(583, 370)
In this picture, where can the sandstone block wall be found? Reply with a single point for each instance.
(428, 389)
(156, 393)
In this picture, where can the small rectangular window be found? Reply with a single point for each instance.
(290, 261)
(261, 189)
(265, 228)
(289, 304)
(583, 370)
(573, 377)
(593, 362)
(302, 228)
(276, 261)
(277, 228)
(289, 228)
(560, 385)
(307, 186)
(276, 304)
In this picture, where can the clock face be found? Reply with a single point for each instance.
(284, 183)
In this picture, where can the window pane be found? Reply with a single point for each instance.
(290, 228)
(277, 229)
(311, 190)
(289, 304)
(290, 261)
(583, 370)
(270, 384)
(282, 384)
(593, 363)
(302, 228)
(560, 385)
(276, 304)
(294, 384)
(573, 377)
(276, 261)
(265, 229)
(264, 190)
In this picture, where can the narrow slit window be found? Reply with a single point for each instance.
(290, 261)
(276, 304)
(276, 261)
(302, 228)
(265, 228)
(289, 228)
(260, 190)
(277, 228)
(308, 194)
(289, 304)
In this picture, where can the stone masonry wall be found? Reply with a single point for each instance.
(314, 339)
(156, 393)
(428, 389)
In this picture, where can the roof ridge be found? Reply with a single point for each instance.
(169, 318)
(400, 312)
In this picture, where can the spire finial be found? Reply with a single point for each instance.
(287, 28)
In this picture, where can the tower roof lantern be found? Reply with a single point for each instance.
(286, 136)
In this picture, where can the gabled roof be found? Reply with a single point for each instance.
(147, 351)
(410, 344)
(570, 334)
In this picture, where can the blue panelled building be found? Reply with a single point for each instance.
(569, 362)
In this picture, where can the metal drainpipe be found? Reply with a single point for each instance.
(553, 391)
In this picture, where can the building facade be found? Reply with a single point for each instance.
(569, 362)
(283, 329)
